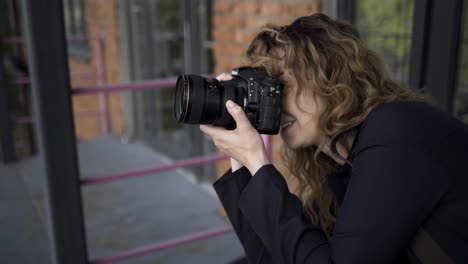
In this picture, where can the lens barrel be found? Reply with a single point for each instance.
(196, 100)
(200, 100)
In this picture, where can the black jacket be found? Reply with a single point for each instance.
(409, 169)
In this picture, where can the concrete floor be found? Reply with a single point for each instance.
(120, 215)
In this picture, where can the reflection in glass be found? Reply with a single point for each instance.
(386, 28)
(461, 93)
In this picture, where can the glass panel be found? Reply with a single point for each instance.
(169, 40)
(156, 51)
(386, 27)
(83, 22)
(77, 16)
(75, 24)
(461, 93)
(66, 16)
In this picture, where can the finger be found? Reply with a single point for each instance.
(238, 114)
(212, 130)
(224, 77)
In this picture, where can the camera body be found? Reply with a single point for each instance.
(262, 101)
(200, 100)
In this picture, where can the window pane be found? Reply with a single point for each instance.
(83, 29)
(386, 27)
(72, 14)
(75, 24)
(66, 16)
(168, 38)
(461, 93)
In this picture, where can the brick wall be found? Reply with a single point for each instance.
(101, 18)
(235, 24)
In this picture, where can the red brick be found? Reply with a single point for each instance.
(222, 6)
(218, 19)
(223, 35)
(285, 20)
(245, 7)
(226, 62)
(232, 50)
(234, 21)
(219, 48)
(303, 8)
(101, 17)
(255, 22)
(245, 37)
(271, 8)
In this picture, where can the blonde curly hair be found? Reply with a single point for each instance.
(328, 57)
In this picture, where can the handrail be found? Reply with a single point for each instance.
(74, 76)
(122, 87)
(21, 40)
(164, 245)
(103, 89)
(152, 170)
(110, 88)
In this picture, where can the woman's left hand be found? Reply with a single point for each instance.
(243, 144)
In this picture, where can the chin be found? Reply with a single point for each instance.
(292, 144)
(296, 144)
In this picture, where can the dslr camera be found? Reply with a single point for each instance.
(200, 100)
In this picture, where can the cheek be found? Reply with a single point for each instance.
(309, 128)
(287, 100)
(310, 131)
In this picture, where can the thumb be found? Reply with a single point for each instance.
(238, 114)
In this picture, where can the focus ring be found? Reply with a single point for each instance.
(224, 118)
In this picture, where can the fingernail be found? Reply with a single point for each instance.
(230, 103)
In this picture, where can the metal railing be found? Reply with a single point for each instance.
(196, 161)
(102, 88)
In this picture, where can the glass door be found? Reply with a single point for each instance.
(154, 38)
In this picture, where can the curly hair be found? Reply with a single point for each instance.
(327, 57)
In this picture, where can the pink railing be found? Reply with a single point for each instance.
(164, 245)
(103, 89)
(153, 170)
(144, 85)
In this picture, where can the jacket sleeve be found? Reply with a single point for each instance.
(229, 188)
(389, 194)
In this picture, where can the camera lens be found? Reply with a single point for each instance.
(181, 98)
(200, 100)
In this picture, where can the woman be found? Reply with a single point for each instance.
(377, 165)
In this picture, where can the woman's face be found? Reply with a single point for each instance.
(300, 115)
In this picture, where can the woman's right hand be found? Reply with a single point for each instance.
(235, 165)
